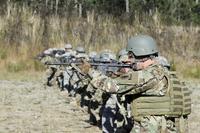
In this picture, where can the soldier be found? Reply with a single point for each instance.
(68, 52)
(108, 53)
(153, 82)
(93, 57)
(150, 77)
(95, 101)
(107, 57)
(49, 57)
(67, 71)
(147, 78)
(76, 77)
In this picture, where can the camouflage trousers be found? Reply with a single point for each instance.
(109, 115)
(54, 76)
(74, 83)
(50, 74)
(153, 124)
(67, 74)
(70, 81)
(95, 106)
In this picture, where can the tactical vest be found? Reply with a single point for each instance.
(176, 103)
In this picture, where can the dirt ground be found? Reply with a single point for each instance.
(194, 118)
(27, 106)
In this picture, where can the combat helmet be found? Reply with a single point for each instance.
(92, 55)
(105, 57)
(113, 56)
(122, 52)
(142, 45)
(68, 46)
(108, 53)
(80, 49)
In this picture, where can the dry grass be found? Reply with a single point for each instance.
(22, 76)
(23, 34)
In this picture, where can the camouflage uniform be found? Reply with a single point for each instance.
(102, 102)
(51, 70)
(107, 57)
(152, 81)
(99, 98)
(109, 113)
(66, 71)
(76, 78)
(109, 124)
(149, 79)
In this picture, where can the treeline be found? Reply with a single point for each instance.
(28, 27)
(171, 11)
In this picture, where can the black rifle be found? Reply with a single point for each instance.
(120, 65)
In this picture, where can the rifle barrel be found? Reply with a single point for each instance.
(96, 64)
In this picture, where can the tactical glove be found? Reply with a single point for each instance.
(85, 67)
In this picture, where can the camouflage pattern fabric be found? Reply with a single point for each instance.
(75, 82)
(149, 124)
(150, 81)
(104, 84)
(51, 70)
(154, 124)
(69, 53)
(67, 74)
(82, 55)
(100, 81)
(109, 115)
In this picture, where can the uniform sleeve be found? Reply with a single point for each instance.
(100, 81)
(151, 82)
(144, 86)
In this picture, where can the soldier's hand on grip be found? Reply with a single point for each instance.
(85, 66)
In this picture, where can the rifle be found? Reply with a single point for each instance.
(119, 65)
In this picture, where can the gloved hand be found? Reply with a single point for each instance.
(84, 67)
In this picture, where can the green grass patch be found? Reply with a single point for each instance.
(24, 65)
(3, 54)
(17, 66)
(38, 66)
(192, 72)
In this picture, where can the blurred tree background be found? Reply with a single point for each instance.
(171, 11)
(98, 24)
